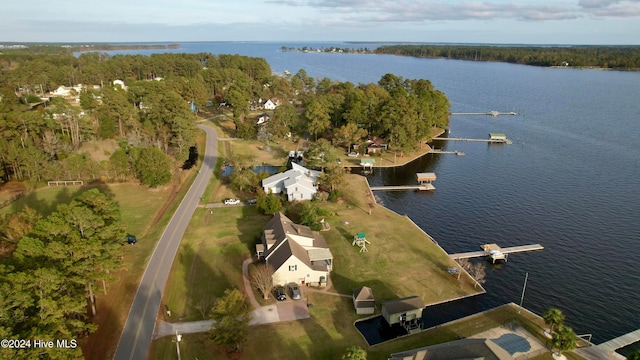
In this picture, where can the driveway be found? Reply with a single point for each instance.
(293, 310)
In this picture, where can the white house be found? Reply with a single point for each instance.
(66, 90)
(299, 183)
(296, 253)
(119, 83)
(270, 105)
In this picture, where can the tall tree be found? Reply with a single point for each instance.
(553, 317)
(152, 167)
(317, 118)
(564, 339)
(354, 353)
(262, 279)
(231, 315)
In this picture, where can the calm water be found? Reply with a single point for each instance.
(570, 181)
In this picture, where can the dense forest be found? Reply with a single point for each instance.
(147, 105)
(606, 57)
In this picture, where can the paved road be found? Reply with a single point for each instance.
(138, 330)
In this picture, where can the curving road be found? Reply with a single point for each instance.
(138, 329)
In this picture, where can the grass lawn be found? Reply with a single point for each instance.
(329, 332)
(401, 259)
(210, 258)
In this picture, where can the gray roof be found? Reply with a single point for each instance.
(283, 252)
(454, 350)
(363, 294)
(280, 246)
(397, 306)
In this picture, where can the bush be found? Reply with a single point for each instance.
(335, 195)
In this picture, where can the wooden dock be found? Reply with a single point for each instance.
(493, 141)
(423, 187)
(488, 248)
(438, 151)
(490, 113)
(620, 342)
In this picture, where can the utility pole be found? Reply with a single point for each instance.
(524, 287)
(178, 338)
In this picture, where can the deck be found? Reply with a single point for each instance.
(620, 341)
(506, 251)
(423, 187)
(493, 141)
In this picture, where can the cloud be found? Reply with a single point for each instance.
(400, 11)
(438, 10)
(611, 8)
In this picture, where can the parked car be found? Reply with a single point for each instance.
(295, 291)
(252, 202)
(131, 239)
(339, 161)
(280, 293)
(353, 154)
(232, 202)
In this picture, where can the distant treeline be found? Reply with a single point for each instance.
(607, 57)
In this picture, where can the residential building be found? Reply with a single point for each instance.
(296, 253)
(299, 183)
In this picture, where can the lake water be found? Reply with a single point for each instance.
(570, 181)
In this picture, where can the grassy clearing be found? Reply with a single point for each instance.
(210, 258)
(401, 259)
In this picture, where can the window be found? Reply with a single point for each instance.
(293, 267)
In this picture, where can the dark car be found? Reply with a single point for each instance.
(131, 239)
(280, 293)
(252, 202)
(295, 291)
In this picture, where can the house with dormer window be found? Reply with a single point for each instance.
(296, 253)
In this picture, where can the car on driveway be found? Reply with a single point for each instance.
(252, 202)
(279, 293)
(353, 154)
(232, 202)
(295, 291)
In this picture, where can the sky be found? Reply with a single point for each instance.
(579, 22)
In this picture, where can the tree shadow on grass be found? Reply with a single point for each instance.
(64, 196)
(203, 285)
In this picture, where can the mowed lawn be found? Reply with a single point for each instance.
(401, 261)
(210, 258)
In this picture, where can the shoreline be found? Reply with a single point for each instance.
(400, 161)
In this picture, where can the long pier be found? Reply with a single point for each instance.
(494, 141)
(490, 113)
(505, 251)
(423, 187)
(438, 151)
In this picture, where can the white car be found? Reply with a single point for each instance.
(232, 202)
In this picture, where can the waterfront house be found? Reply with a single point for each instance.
(296, 253)
(299, 183)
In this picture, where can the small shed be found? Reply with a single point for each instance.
(407, 312)
(363, 300)
(497, 137)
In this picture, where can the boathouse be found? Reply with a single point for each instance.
(363, 300)
(367, 163)
(425, 178)
(407, 312)
(497, 137)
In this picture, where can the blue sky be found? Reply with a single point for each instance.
(463, 21)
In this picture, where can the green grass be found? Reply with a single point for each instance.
(330, 331)
(210, 258)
